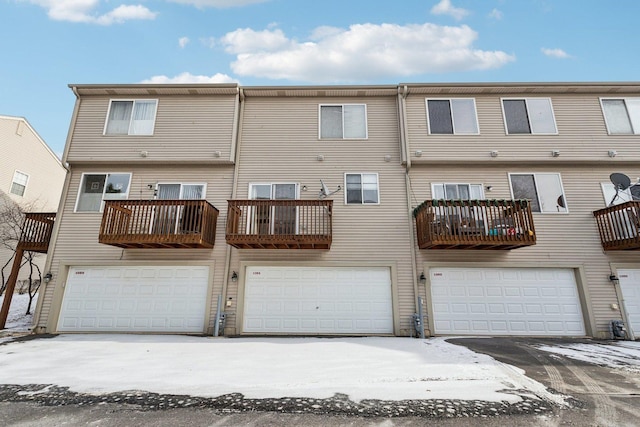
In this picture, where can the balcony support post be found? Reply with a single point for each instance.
(11, 286)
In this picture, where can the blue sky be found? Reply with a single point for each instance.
(48, 44)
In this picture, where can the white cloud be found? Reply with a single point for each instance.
(496, 14)
(446, 8)
(183, 41)
(84, 11)
(220, 4)
(247, 40)
(363, 52)
(555, 53)
(190, 78)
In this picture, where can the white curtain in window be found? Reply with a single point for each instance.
(616, 114)
(464, 116)
(168, 191)
(192, 191)
(144, 113)
(369, 188)
(119, 117)
(541, 115)
(331, 121)
(633, 107)
(550, 193)
(355, 121)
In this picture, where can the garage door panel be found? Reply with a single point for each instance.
(509, 301)
(331, 300)
(134, 299)
(630, 288)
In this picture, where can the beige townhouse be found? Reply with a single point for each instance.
(136, 246)
(505, 180)
(31, 179)
(344, 210)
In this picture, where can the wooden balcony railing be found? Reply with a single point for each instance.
(474, 224)
(619, 226)
(279, 224)
(36, 232)
(158, 224)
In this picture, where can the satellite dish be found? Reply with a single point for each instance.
(620, 180)
(325, 192)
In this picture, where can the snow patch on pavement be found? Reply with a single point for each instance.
(623, 355)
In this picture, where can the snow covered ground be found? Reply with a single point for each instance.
(623, 355)
(17, 321)
(262, 368)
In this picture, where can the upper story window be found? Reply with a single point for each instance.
(450, 191)
(131, 117)
(452, 116)
(622, 115)
(19, 183)
(348, 121)
(96, 187)
(361, 188)
(544, 190)
(529, 115)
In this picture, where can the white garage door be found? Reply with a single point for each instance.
(630, 287)
(317, 300)
(506, 301)
(135, 299)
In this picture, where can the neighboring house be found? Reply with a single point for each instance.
(31, 176)
(339, 209)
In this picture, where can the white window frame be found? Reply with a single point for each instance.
(535, 180)
(453, 122)
(366, 122)
(182, 184)
(526, 101)
(272, 185)
(13, 181)
(443, 184)
(106, 174)
(129, 133)
(634, 131)
(362, 189)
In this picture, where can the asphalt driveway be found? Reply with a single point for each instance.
(604, 396)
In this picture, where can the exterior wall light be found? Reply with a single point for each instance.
(612, 153)
(614, 279)
(234, 277)
(47, 277)
(423, 278)
(494, 153)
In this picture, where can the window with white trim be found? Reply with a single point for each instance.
(97, 187)
(135, 117)
(451, 191)
(452, 116)
(19, 183)
(622, 115)
(543, 190)
(346, 121)
(529, 116)
(361, 188)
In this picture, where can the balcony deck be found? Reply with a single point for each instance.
(279, 224)
(619, 226)
(36, 232)
(474, 224)
(134, 224)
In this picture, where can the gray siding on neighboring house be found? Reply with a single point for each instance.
(280, 143)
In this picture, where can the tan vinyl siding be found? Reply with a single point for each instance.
(563, 240)
(78, 236)
(279, 143)
(582, 134)
(187, 128)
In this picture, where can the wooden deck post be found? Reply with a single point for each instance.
(11, 286)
